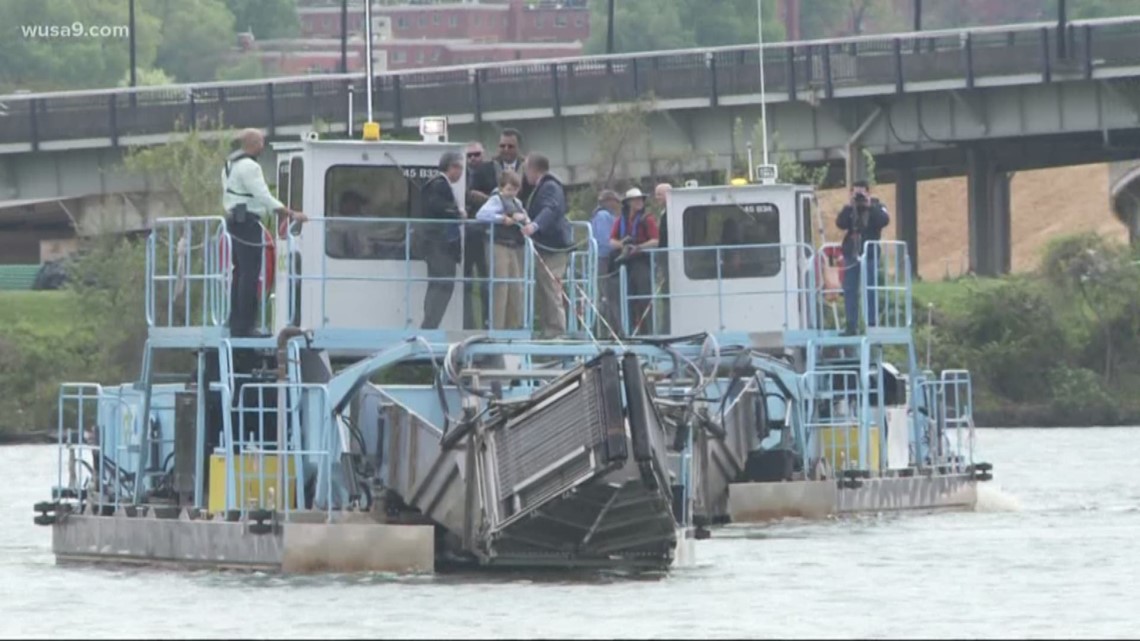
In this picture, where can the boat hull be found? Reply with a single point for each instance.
(292, 548)
(758, 502)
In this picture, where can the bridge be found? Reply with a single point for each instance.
(979, 102)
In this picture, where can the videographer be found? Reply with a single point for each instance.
(863, 219)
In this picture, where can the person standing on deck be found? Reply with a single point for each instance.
(601, 227)
(551, 234)
(440, 241)
(504, 208)
(661, 258)
(476, 273)
(634, 232)
(247, 201)
(510, 158)
(863, 219)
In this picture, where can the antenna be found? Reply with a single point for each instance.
(371, 129)
(763, 97)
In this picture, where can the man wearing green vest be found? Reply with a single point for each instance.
(248, 202)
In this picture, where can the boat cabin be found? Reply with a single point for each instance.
(738, 260)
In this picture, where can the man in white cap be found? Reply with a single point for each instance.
(634, 233)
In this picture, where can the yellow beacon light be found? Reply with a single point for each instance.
(739, 182)
(371, 131)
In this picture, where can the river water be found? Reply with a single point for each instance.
(1053, 551)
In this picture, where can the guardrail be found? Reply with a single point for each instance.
(791, 69)
(187, 273)
(646, 293)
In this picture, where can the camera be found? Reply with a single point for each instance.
(861, 200)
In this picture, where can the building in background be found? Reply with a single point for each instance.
(414, 34)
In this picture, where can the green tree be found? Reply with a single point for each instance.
(189, 169)
(267, 19)
(652, 25)
(34, 60)
(247, 67)
(196, 34)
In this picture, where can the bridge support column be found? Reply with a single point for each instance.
(989, 203)
(906, 216)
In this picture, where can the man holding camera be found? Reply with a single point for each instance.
(863, 219)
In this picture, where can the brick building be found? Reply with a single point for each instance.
(423, 34)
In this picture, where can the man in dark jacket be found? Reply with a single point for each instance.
(863, 220)
(476, 271)
(550, 232)
(440, 241)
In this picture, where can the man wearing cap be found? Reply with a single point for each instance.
(248, 202)
(601, 226)
(632, 234)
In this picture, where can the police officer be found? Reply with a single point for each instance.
(247, 201)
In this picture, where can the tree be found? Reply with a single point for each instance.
(189, 168)
(619, 137)
(69, 56)
(267, 19)
(1087, 268)
(652, 25)
(247, 67)
(196, 34)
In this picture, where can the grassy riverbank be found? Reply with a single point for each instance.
(1052, 348)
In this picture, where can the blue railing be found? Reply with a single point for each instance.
(298, 449)
(77, 443)
(791, 69)
(399, 244)
(949, 420)
(187, 273)
(888, 303)
(644, 313)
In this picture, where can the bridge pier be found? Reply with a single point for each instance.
(906, 214)
(989, 215)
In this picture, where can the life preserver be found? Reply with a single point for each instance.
(829, 266)
(268, 260)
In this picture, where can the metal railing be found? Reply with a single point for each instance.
(188, 273)
(885, 277)
(837, 430)
(78, 447)
(949, 420)
(641, 312)
(790, 69)
(403, 242)
(298, 447)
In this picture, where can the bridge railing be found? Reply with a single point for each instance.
(791, 69)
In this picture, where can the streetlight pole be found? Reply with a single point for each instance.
(1062, 23)
(918, 15)
(610, 28)
(131, 29)
(344, 36)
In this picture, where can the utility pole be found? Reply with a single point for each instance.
(610, 28)
(344, 35)
(131, 28)
(918, 15)
(1062, 24)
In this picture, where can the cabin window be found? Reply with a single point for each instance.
(727, 225)
(805, 220)
(296, 187)
(372, 193)
(282, 181)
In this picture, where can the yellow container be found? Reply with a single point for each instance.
(837, 443)
(249, 492)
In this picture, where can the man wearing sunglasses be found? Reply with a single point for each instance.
(480, 184)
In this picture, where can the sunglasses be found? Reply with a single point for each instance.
(474, 154)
